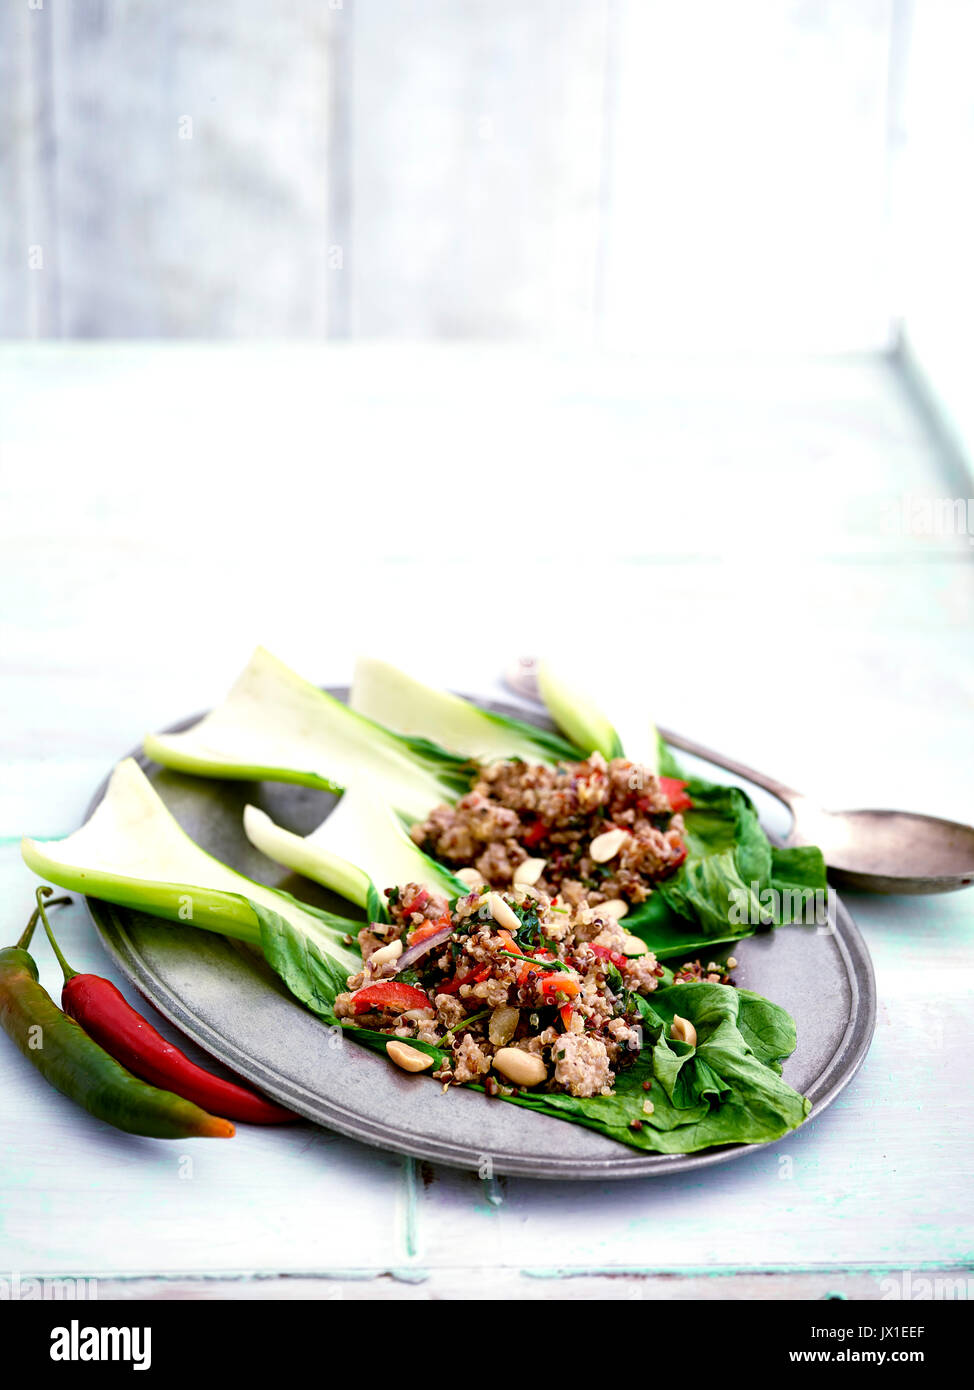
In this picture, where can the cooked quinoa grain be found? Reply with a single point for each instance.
(553, 986)
(590, 832)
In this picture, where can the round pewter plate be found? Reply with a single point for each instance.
(231, 1004)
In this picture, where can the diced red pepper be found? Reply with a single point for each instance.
(560, 984)
(675, 864)
(529, 969)
(417, 903)
(534, 834)
(472, 977)
(565, 1013)
(511, 945)
(389, 994)
(429, 929)
(676, 794)
(606, 952)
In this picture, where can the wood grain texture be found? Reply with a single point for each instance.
(186, 153)
(162, 509)
(477, 154)
(29, 264)
(569, 170)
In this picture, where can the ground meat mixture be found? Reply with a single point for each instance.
(561, 818)
(515, 990)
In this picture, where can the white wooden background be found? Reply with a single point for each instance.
(637, 172)
(163, 508)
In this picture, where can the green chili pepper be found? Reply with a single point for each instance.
(77, 1067)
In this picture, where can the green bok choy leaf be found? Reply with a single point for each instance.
(131, 851)
(421, 714)
(577, 715)
(733, 879)
(359, 851)
(726, 1088)
(275, 726)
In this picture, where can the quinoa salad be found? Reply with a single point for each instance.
(556, 901)
(516, 989)
(596, 833)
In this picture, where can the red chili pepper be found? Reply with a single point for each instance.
(676, 794)
(74, 1063)
(107, 1017)
(389, 994)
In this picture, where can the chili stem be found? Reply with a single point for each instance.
(28, 932)
(68, 973)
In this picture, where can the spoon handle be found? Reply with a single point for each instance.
(760, 779)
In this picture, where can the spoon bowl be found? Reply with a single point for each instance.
(888, 851)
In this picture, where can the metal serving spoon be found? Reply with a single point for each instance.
(879, 851)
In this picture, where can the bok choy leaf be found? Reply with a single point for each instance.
(421, 714)
(131, 851)
(275, 726)
(578, 716)
(726, 1088)
(733, 880)
(359, 851)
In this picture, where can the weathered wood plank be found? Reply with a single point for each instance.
(29, 266)
(476, 167)
(193, 163)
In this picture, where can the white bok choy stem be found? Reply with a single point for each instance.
(275, 726)
(417, 711)
(580, 717)
(131, 851)
(362, 846)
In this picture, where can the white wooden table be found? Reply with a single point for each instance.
(164, 508)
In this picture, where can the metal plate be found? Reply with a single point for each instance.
(230, 1003)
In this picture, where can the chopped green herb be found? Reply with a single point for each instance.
(530, 960)
(465, 1022)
